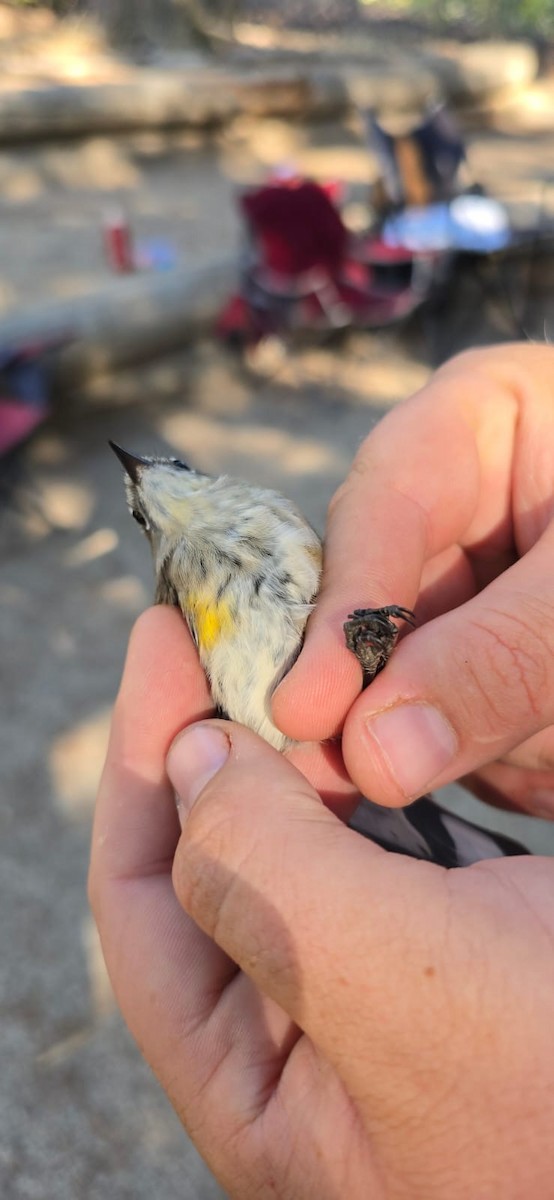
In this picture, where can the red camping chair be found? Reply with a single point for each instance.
(297, 246)
(302, 269)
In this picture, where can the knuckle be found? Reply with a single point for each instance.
(212, 865)
(199, 874)
(472, 357)
(337, 499)
(361, 467)
(476, 361)
(224, 880)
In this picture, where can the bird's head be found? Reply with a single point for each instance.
(160, 492)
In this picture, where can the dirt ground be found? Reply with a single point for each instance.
(80, 1116)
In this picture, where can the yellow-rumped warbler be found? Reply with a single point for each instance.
(244, 567)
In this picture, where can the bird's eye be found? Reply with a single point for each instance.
(139, 518)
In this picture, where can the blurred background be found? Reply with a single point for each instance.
(142, 300)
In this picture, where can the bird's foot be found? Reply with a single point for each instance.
(371, 634)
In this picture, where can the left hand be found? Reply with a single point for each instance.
(326, 1018)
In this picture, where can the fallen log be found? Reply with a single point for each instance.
(128, 322)
(206, 96)
(165, 100)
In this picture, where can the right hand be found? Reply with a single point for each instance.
(448, 508)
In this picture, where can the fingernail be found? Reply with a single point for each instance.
(194, 759)
(416, 742)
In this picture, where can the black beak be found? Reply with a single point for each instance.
(130, 462)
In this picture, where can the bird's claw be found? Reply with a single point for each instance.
(371, 635)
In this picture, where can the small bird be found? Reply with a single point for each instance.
(244, 567)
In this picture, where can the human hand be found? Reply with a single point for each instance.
(328, 1019)
(448, 509)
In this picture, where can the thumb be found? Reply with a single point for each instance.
(462, 691)
(300, 902)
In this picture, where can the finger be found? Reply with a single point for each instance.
(535, 754)
(289, 892)
(447, 580)
(517, 789)
(322, 765)
(435, 472)
(194, 1016)
(136, 828)
(523, 780)
(162, 688)
(462, 691)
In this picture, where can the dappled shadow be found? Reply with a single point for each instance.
(76, 572)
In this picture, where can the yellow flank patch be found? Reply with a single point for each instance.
(211, 619)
